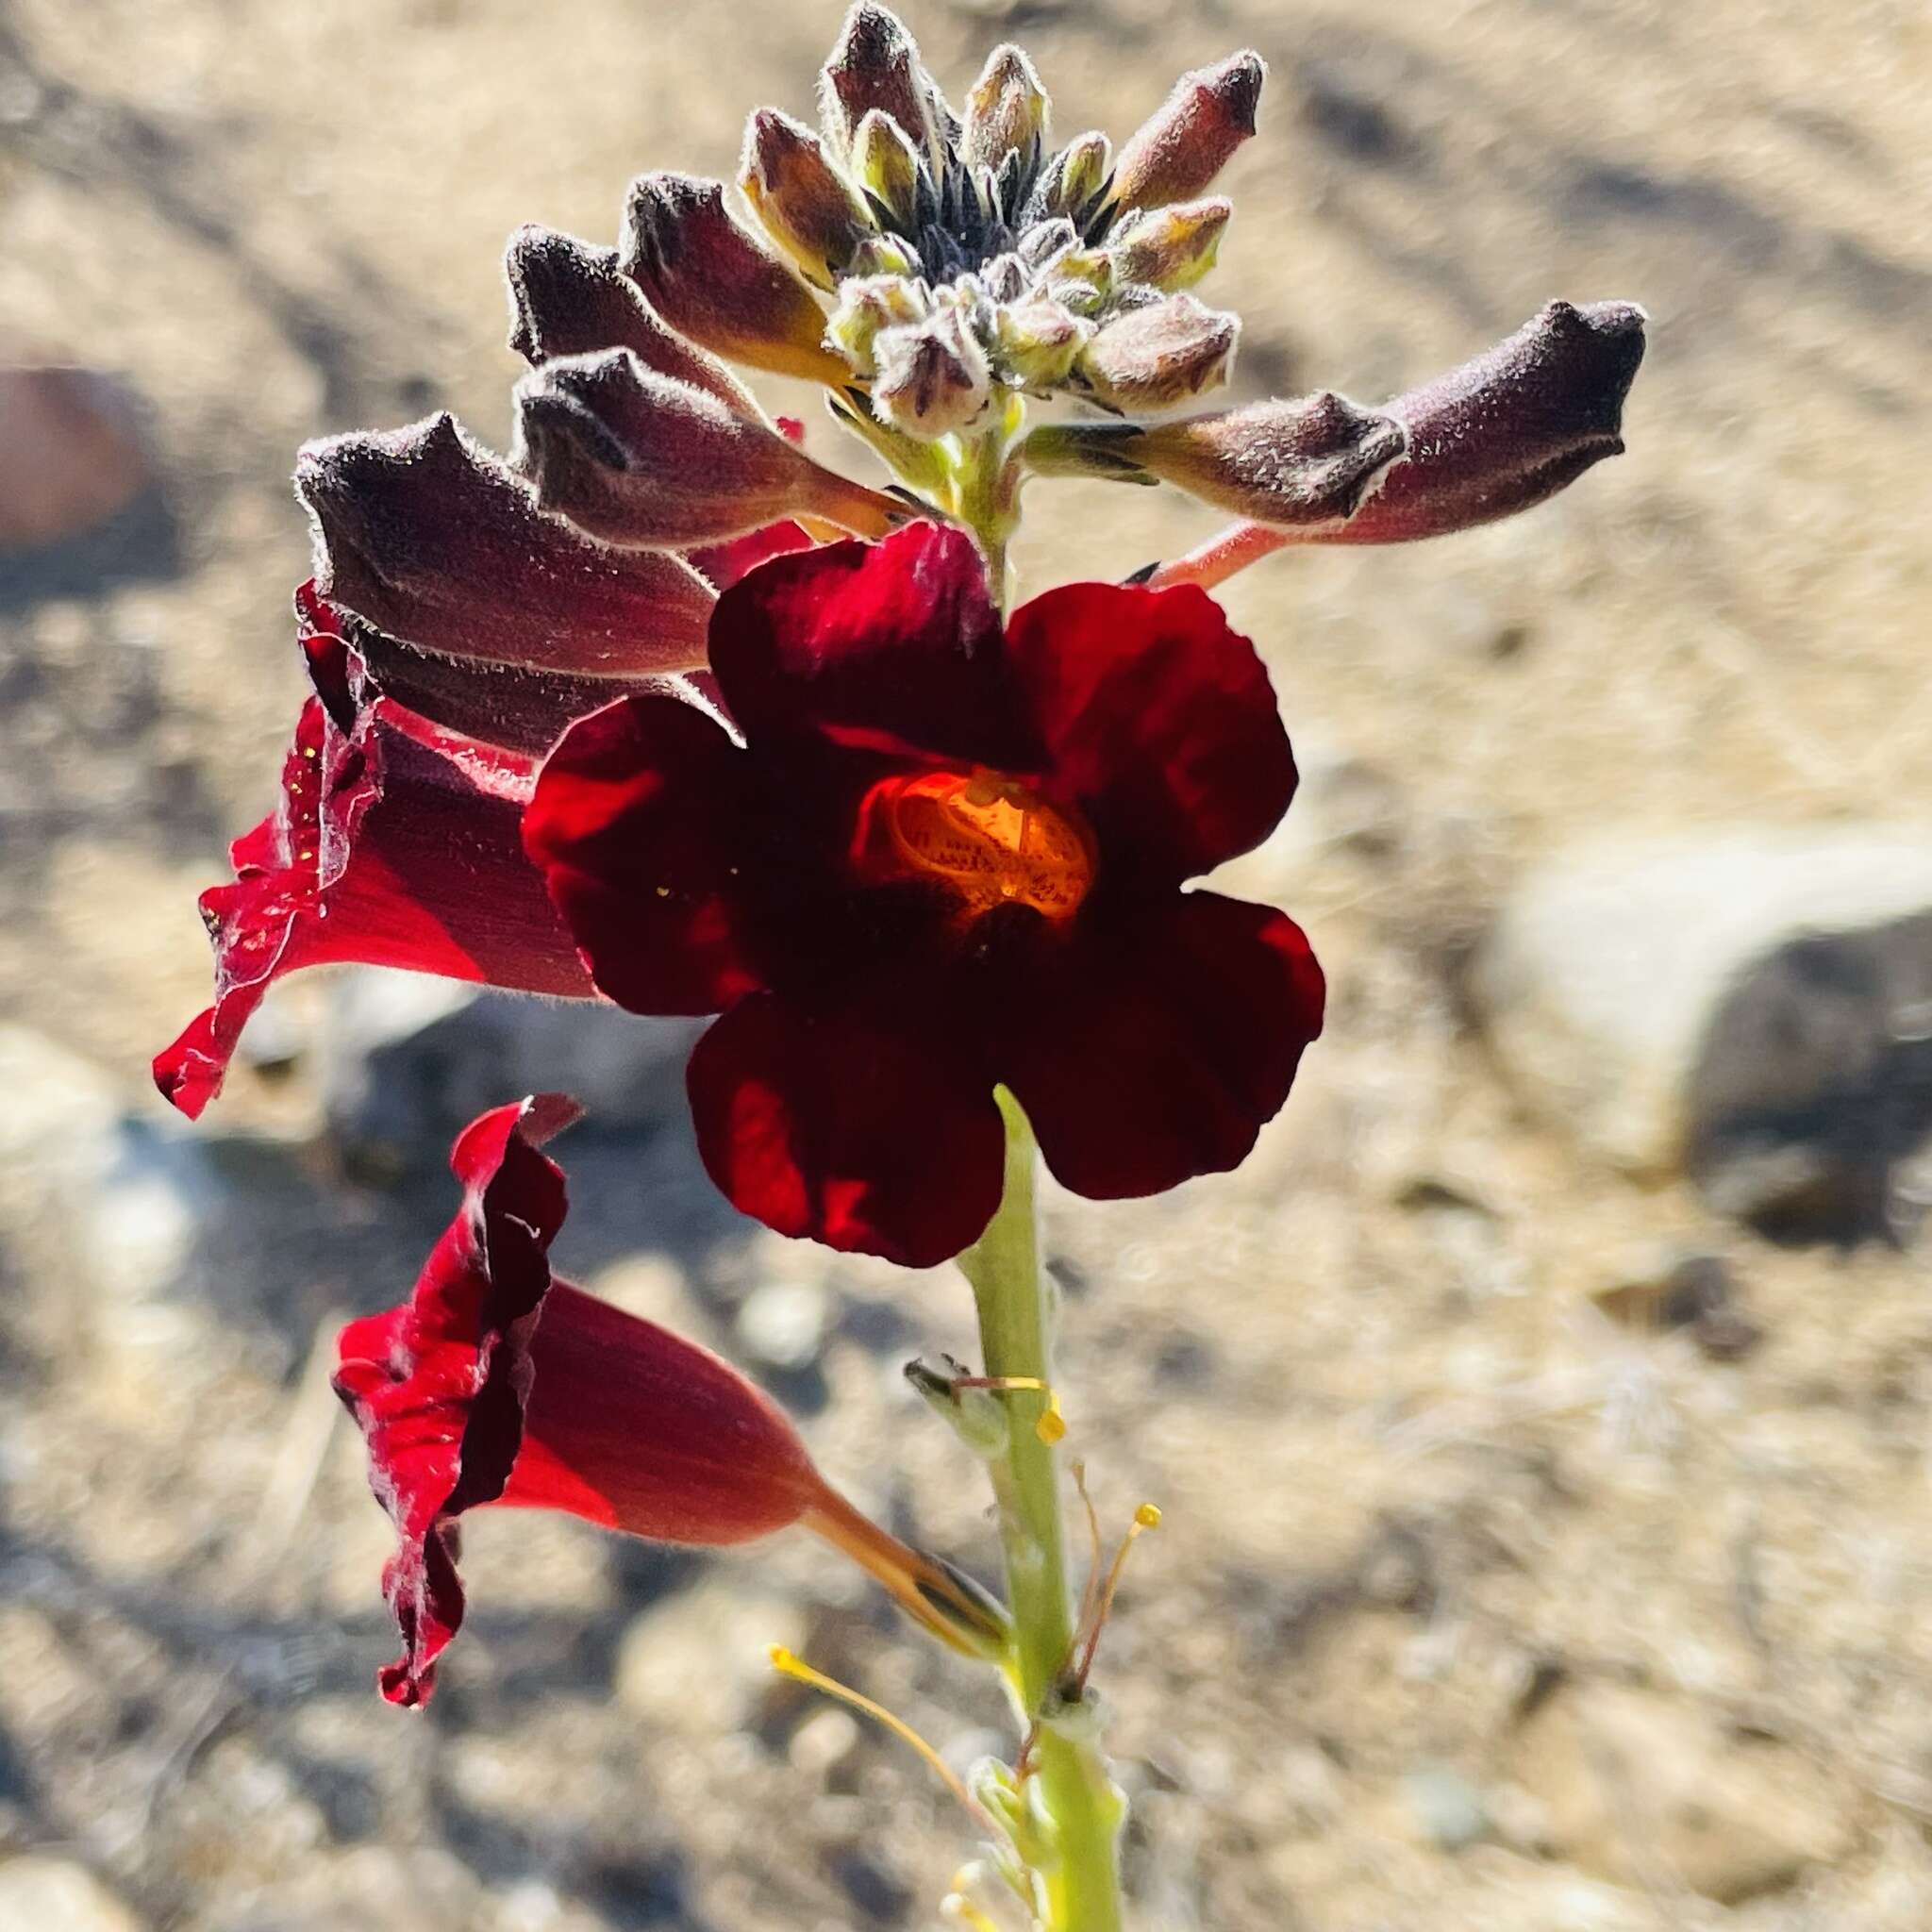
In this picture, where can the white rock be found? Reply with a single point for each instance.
(1605, 969)
(783, 1323)
(42, 1894)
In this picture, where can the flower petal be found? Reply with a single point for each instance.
(723, 564)
(1158, 719)
(495, 1384)
(430, 540)
(1152, 1054)
(393, 844)
(898, 638)
(867, 1125)
(438, 1385)
(637, 826)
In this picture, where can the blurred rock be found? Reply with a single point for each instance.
(782, 1325)
(70, 455)
(408, 1060)
(1754, 1008)
(368, 1888)
(40, 1893)
(1646, 1789)
(1667, 1290)
(697, 1664)
(58, 1104)
(1450, 1812)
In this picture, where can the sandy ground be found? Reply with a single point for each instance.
(1436, 1527)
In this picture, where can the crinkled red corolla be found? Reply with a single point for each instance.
(496, 1384)
(938, 854)
(395, 844)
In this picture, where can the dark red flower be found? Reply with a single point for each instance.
(944, 856)
(496, 1384)
(395, 844)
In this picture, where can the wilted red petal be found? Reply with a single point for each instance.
(898, 638)
(439, 1384)
(867, 1124)
(393, 844)
(1158, 720)
(1154, 1052)
(492, 1384)
(1508, 430)
(637, 823)
(436, 543)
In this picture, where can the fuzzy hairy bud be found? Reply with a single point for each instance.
(1007, 112)
(1177, 154)
(639, 460)
(714, 282)
(1512, 427)
(1039, 340)
(1303, 464)
(886, 164)
(1170, 248)
(933, 376)
(568, 298)
(805, 203)
(1156, 356)
(868, 306)
(875, 64)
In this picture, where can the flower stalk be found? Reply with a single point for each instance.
(1081, 1808)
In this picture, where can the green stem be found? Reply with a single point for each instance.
(1082, 1808)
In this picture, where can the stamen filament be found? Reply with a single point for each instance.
(1145, 1517)
(790, 1665)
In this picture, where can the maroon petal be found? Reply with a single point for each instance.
(439, 1385)
(898, 638)
(393, 844)
(1504, 432)
(868, 1126)
(639, 826)
(436, 543)
(1147, 1055)
(494, 1384)
(1159, 720)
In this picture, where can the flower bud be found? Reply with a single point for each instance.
(975, 1414)
(886, 164)
(640, 460)
(1074, 182)
(1510, 428)
(1170, 248)
(1046, 242)
(1039, 340)
(570, 299)
(868, 304)
(884, 254)
(1156, 356)
(1178, 153)
(1303, 464)
(875, 64)
(1005, 113)
(806, 205)
(712, 282)
(933, 376)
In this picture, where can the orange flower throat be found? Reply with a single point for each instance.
(989, 839)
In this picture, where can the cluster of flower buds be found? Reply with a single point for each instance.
(965, 255)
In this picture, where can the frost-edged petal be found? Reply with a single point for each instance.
(429, 539)
(865, 1121)
(1158, 721)
(1149, 1053)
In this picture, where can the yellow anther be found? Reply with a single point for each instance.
(787, 1663)
(1052, 1425)
(1147, 1516)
